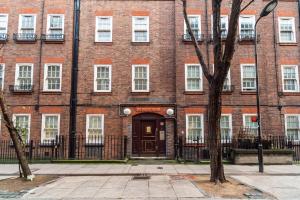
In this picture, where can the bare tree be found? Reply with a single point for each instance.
(16, 138)
(222, 62)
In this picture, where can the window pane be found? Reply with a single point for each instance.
(104, 29)
(24, 78)
(27, 24)
(3, 23)
(193, 77)
(51, 127)
(286, 30)
(95, 129)
(140, 78)
(293, 127)
(53, 77)
(22, 125)
(194, 127)
(103, 79)
(249, 125)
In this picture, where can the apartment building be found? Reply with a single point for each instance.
(138, 74)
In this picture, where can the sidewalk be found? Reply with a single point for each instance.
(165, 169)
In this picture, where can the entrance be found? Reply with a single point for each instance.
(149, 135)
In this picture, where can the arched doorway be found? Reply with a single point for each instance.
(149, 135)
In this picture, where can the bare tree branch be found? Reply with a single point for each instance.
(246, 6)
(231, 37)
(217, 40)
(197, 48)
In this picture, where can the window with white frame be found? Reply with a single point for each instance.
(3, 24)
(22, 124)
(290, 78)
(194, 127)
(227, 82)
(52, 77)
(55, 26)
(250, 126)
(195, 23)
(103, 29)
(24, 76)
(140, 78)
(223, 26)
(27, 23)
(248, 73)
(140, 27)
(94, 128)
(287, 31)
(246, 24)
(292, 127)
(2, 70)
(50, 127)
(102, 78)
(193, 77)
(226, 127)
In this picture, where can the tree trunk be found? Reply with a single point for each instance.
(214, 134)
(16, 141)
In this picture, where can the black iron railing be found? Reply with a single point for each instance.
(25, 37)
(188, 38)
(3, 37)
(197, 148)
(248, 37)
(53, 37)
(107, 147)
(21, 88)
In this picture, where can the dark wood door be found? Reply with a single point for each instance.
(148, 136)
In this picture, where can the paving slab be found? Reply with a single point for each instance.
(282, 187)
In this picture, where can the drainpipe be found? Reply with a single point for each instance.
(74, 81)
(207, 34)
(299, 11)
(37, 106)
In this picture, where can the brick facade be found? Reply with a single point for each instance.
(165, 53)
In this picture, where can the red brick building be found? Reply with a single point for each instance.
(136, 63)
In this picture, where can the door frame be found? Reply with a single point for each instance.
(161, 145)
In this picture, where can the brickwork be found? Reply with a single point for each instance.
(166, 54)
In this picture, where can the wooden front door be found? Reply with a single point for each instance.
(148, 136)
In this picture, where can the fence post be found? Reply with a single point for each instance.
(30, 149)
(125, 146)
(197, 150)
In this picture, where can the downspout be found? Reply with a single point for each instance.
(279, 106)
(299, 11)
(74, 81)
(37, 106)
(207, 34)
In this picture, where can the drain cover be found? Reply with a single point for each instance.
(159, 167)
(141, 177)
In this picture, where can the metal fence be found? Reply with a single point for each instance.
(197, 149)
(107, 147)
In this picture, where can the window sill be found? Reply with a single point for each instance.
(246, 42)
(248, 92)
(94, 145)
(104, 43)
(140, 93)
(51, 92)
(191, 42)
(227, 92)
(140, 43)
(288, 44)
(194, 92)
(101, 93)
(289, 93)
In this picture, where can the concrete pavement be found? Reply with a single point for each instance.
(112, 187)
(164, 169)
